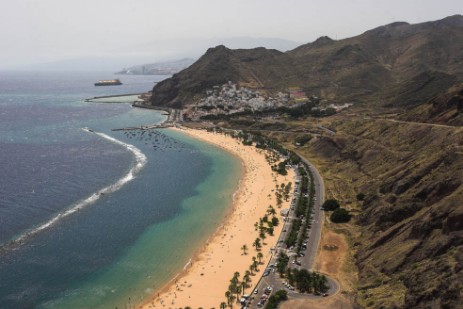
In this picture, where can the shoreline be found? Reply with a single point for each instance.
(204, 280)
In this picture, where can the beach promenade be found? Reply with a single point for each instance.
(205, 280)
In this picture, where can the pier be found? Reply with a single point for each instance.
(148, 127)
(112, 96)
(174, 117)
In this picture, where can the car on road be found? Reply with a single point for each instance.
(256, 291)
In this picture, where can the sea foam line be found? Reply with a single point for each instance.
(140, 161)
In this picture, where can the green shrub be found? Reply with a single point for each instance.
(331, 205)
(340, 215)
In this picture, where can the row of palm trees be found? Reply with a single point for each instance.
(282, 191)
(237, 287)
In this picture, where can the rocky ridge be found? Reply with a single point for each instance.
(373, 66)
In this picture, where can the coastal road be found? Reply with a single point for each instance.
(307, 262)
(317, 221)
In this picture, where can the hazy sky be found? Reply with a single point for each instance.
(45, 30)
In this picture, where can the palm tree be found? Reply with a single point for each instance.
(260, 256)
(262, 235)
(238, 292)
(251, 268)
(247, 273)
(229, 295)
(232, 298)
(254, 264)
(271, 210)
(244, 248)
(270, 230)
(223, 305)
(243, 286)
(246, 279)
(256, 244)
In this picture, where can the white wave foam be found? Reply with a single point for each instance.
(140, 161)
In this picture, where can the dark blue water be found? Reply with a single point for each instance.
(110, 249)
(45, 157)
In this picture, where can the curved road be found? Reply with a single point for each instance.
(273, 279)
(317, 223)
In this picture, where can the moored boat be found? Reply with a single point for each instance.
(109, 82)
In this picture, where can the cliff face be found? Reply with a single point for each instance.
(409, 251)
(445, 108)
(375, 65)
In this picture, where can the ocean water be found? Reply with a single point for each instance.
(95, 218)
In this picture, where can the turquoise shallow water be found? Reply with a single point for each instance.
(126, 243)
(166, 247)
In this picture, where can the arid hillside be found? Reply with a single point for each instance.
(394, 65)
(395, 159)
(445, 108)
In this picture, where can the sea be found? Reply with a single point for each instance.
(92, 217)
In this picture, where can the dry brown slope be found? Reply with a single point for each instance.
(377, 64)
(410, 252)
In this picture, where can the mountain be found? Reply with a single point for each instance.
(407, 235)
(109, 63)
(158, 68)
(372, 66)
(252, 67)
(445, 108)
(399, 171)
(165, 50)
(194, 47)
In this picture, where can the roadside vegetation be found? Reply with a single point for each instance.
(339, 214)
(303, 280)
(276, 299)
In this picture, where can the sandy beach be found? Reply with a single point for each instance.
(205, 280)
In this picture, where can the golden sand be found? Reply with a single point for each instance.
(204, 282)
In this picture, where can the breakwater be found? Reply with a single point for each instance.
(94, 99)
